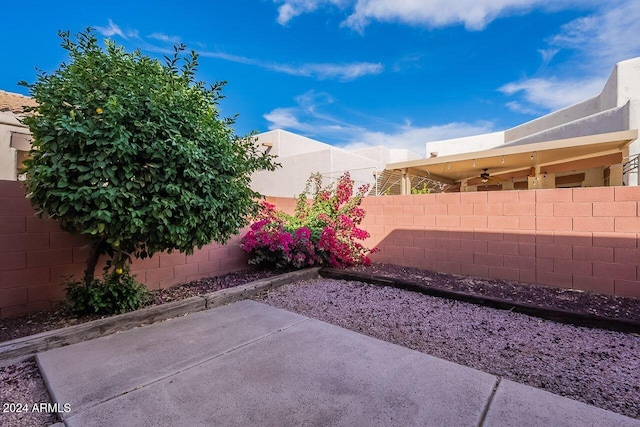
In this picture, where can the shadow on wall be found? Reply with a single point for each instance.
(581, 238)
(599, 264)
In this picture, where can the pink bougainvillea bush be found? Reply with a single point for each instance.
(322, 232)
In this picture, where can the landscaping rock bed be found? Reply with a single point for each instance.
(549, 307)
(588, 303)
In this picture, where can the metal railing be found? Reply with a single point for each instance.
(631, 165)
(386, 182)
(357, 177)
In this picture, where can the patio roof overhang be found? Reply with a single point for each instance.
(515, 161)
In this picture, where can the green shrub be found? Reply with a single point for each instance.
(118, 293)
(423, 190)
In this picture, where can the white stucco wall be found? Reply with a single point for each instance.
(623, 84)
(555, 119)
(612, 120)
(597, 113)
(289, 144)
(360, 168)
(383, 155)
(289, 180)
(300, 157)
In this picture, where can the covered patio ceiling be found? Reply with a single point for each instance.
(511, 161)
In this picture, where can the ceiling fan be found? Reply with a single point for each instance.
(484, 179)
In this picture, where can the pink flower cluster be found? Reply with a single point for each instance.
(270, 244)
(323, 232)
(338, 252)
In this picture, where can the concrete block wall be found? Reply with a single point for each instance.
(581, 238)
(36, 256)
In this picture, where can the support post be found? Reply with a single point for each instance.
(405, 184)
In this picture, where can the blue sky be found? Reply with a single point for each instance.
(354, 73)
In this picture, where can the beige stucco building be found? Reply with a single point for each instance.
(589, 144)
(15, 138)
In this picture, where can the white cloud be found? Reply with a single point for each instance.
(292, 8)
(522, 109)
(133, 35)
(286, 13)
(283, 118)
(594, 44)
(306, 118)
(114, 30)
(547, 54)
(553, 94)
(605, 37)
(321, 71)
(342, 72)
(408, 61)
(111, 30)
(165, 38)
(229, 57)
(473, 14)
(311, 100)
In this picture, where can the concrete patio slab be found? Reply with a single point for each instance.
(252, 364)
(520, 405)
(91, 372)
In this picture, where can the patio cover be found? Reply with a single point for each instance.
(515, 160)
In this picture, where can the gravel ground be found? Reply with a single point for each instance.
(23, 385)
(598, 367)
(545, 296)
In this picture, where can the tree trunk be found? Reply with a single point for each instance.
(97, 246)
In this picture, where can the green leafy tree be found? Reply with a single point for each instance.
(133, 153)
